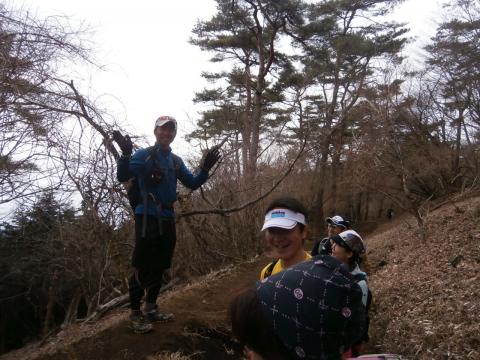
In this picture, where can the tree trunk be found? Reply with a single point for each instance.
(380, 213)
(334, 186)
(367, 203)
(72, 311)
(50, 304)
(456, 161)
(247, 121)
(358, 210)
(255, 140)
(320, 189)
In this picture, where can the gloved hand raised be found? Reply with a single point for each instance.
(211, 158)
(124, 142)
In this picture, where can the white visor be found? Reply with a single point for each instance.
(162, 120)
(283, 218)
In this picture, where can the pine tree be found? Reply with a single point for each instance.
(454, 57)
(244, 35)
(343, 41)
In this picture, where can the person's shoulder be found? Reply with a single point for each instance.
(141, 151)
(271, 268)
(263, 271)
(266, 271)
(358, 274)
(140, 154)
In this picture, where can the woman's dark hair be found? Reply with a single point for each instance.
(289, 203)
(251, 328)
(354, 259)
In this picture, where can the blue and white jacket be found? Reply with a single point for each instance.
(356, 272)
(141, 166)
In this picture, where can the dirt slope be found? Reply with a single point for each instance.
(426, 301)
(427, 293)
(199, 327)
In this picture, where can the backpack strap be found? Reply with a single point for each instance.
(152, 154)
(360, 276)
(269, 269)
(141, 179)
(177, 162)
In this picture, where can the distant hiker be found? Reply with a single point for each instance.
(312, 310)
(335, 225)
(390, 214)
(348, 247)
(154, 171)
(285, 229)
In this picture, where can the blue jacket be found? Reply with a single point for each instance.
(141, 166)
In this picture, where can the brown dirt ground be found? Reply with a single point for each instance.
(427, 293)
(199, 327)
(426, 301)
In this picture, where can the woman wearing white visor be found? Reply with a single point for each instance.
(285, 230)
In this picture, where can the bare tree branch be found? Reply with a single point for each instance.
(251, 202)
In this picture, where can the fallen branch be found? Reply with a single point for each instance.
(120, 301)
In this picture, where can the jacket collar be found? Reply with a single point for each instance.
(162, 151)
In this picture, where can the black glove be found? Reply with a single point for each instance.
(124, 142)
(211, 158)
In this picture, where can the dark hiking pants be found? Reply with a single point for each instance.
(151, 256)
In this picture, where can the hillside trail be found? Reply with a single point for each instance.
(416, 282)
(200, 328)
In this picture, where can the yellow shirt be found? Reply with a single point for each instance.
(279, 266)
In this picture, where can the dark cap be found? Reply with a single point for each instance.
(351, 240)
(337, 220)
(314, 307)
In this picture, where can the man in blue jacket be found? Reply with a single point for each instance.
(156, 171)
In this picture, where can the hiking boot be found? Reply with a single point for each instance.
(139, 324)
(155, 315)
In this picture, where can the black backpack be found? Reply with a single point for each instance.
(134, 193)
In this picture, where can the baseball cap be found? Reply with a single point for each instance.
(314, 307)
(162, 120)
(351, 240)
(337, 220)
(283, 218)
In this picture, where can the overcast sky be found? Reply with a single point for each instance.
(150, 68)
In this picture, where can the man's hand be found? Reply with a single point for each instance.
(211, 158)
(124, 142)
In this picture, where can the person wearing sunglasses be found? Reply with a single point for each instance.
(349, 248)
(335, 225)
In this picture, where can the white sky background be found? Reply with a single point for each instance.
(150, 68)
